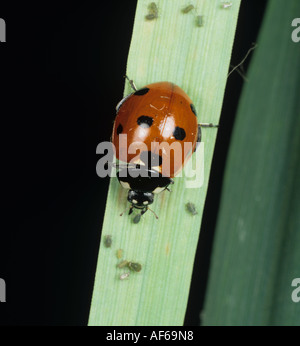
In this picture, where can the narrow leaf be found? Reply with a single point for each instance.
(170, 47)
(256, 252)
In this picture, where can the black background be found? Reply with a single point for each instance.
(61, 75)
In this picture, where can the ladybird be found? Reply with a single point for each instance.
(155, 118)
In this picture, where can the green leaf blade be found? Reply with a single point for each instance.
(252, 267)
(170, 48)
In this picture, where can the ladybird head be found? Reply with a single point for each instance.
(140, 199)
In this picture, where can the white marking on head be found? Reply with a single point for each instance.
(139, 162)
(125, 184)
(158, 189)
(134, 201)
(145, 202)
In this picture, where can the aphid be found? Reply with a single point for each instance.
(137, 218)
(153, 11)
(226, 4)
(188, 8)
(124, 276)
(119, 253)
(191, 208)
(199, 21)
(134, 266)
(153, 8)
(122, 264)
(107, 241)
(150, 16)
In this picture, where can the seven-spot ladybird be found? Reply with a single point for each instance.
(157, 117)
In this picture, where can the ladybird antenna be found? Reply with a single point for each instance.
(121, 165)
(131, 82)
(153, 213)
(254, 45)
(111, 164)
(130, 207)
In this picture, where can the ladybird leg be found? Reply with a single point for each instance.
(131, 82)
(207, 125)
(144, 211)
(168, 189)
(130, 210)
(118, 106)
(119, 165)
(170, 183)
(199, 132)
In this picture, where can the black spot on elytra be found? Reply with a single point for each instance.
(193, 109)
(145, 121)
(151, 159)
(179, 133)
(119, 129)
(141, 92)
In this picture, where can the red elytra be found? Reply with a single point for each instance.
(158, 116)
